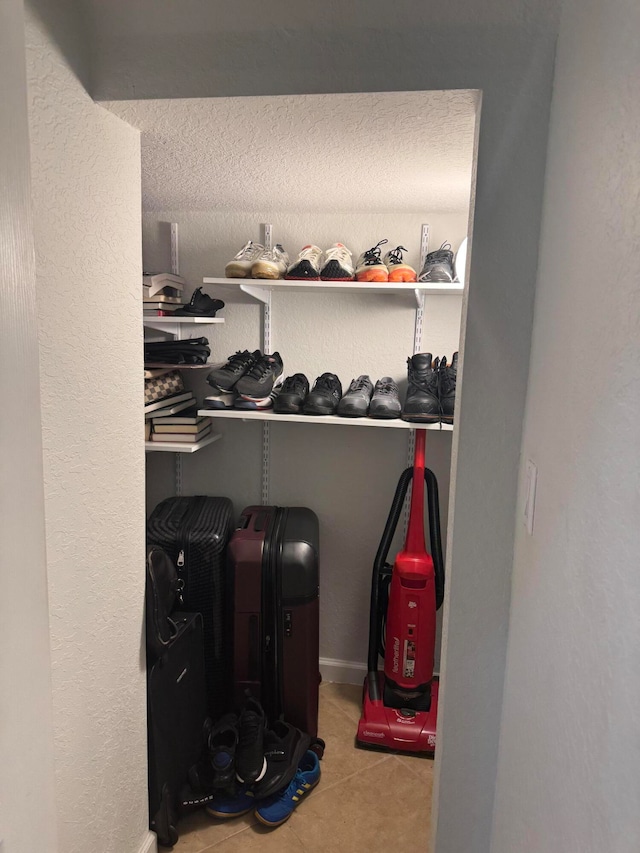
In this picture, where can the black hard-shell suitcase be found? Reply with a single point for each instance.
(273, 564)
(176, 712)
(194, 531)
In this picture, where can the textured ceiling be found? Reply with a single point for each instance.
(396, 151)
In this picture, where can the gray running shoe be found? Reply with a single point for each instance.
(385, 402)
(438, 265)
(355, 403)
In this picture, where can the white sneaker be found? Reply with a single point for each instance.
(307, 264)
(271, 263)
(370, 266)
(240, 266)
(337, 264)
(398, 270)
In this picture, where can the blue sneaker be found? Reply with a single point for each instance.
(232, 805)
(278, 808)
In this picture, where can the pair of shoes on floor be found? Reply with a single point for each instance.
(431, 395)
(295, 397)
(438, 265)
(363, 399)
(200, 305)
(247, 380)
(234, 750)
(255, 261)
(275, 809)
(312, 264)
(371, 267)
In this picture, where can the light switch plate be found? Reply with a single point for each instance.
(531, 480)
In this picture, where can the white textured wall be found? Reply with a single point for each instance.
(347, 476)
(568, 778)
(27, 807)
(86, 198)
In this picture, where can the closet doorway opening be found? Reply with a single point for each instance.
(319, 170)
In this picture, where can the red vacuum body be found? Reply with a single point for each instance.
(401, 704)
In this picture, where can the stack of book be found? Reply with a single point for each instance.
(161, 294)
(186, 427)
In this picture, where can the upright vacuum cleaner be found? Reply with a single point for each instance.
(400, 704)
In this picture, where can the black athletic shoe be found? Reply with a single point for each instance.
(325, 395)
(284, 747)
(448, 376)
(222, 745)
(385, 402)
(438, 265)
(292, 395)
(259, 381)
(201, 305)
(237, 365)
(251, 765)
(355, 403)
(423, 403)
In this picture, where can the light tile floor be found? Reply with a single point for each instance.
(366, 801)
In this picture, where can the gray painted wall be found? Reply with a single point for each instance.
(27, 822)
(506, 49)
(568, 779)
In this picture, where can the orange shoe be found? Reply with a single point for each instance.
(397, 269)
(370, 267)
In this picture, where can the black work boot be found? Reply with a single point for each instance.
(448, 376)
(422, 404)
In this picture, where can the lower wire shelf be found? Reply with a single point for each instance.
(248, 415)
(179, 446)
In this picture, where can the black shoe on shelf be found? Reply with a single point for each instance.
(438, 265)
(292, 395)
(423, 403)
(201, 305)
(222, 745)
(385, 402)
(236, 366)
(355, 403)
(251, 765)
(448, 375)
(284, 747)
(259, 381)
(325, 395)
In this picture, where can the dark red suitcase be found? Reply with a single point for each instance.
(273, 564)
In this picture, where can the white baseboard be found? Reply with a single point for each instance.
(149, 844)
(342, 671)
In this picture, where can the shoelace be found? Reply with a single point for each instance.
(395, 255)
(310, 253)
(444, 253)
(248, 250)
(386, 388)
(249, 729)
(337, 253)
(359, 384)
(372, 256)
(426, 382)
(261, 367)
(326, 382)
(237, 361)
(293, 384)
(296, 783)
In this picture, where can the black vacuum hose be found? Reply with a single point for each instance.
(378, 566)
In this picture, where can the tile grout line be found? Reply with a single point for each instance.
(222, 840)
(351, 775)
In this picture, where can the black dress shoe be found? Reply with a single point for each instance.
(201, 305)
